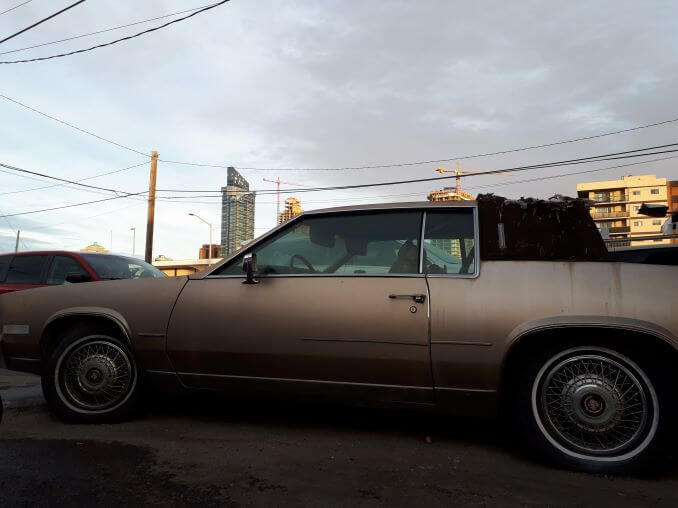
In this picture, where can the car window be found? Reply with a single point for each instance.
(353, 244)
(449, 242)
(26, 269)
(110, 267)
(61, 267)
(4, 265)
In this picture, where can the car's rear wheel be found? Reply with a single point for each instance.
(592, 409)
(91, 376)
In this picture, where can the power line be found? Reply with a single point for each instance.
(60, 55)
(70, 206)
(86, 218)
(120, 145)
(582, 160)
(434, 161)
(102, 31)
(63, 184)
(72, 182)
(15, 7)
(42, 21)
(498, 184)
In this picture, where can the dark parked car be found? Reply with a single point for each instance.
(26, 270)
(464, 307)
(662, 254)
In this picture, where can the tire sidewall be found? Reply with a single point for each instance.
(59, 402)
(528, 423)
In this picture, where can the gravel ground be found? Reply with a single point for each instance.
(216, 452)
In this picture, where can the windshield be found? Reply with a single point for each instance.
(120, 267)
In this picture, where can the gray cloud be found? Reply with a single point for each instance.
(329, 83)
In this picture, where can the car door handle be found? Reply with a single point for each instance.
(417, 298)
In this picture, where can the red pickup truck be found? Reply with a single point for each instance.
(27, 270)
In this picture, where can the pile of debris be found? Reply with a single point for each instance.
(558, 229)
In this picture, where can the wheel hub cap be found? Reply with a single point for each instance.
(96, 375)
(594, 405)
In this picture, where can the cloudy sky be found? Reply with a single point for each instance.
(309, 84)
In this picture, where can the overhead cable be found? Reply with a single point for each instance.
(101, 31)
(120, 145)
(72, 182)
(42, 21)
(91, 48)
(62, 184)
(433, 161)
(15, 7)
(582, 160)
(70, 206)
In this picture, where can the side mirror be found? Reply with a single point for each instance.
(76, 278)
(249, 266)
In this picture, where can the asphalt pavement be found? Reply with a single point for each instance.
(199, 451)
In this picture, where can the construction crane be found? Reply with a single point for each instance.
(458, 172)
(277, 182)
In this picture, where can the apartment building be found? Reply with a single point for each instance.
(616, 204)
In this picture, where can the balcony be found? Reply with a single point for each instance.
(610, 215)
(619, 230)
(609, 197)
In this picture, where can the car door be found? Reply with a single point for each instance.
(464, 359)
(340, 309)
(25, 271)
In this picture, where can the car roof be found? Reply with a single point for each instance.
(395, 206)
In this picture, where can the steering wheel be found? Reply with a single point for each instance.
(303, 260)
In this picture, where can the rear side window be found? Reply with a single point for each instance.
(4, 265)
(61, 267)
(449, 242)
(26, 269)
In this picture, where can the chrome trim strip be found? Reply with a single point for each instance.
(21, 359)
(316, 381)
(15, 329)
(461, 343)
(366, 341)
(416, 206)
(421, 242)
(473, 390)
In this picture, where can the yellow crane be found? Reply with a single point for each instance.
(458, 172)
(278, 181)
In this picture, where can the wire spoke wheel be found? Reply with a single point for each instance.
(595, 403)
(95, 375)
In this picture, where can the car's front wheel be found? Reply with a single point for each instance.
(592, 409)
(91, 376)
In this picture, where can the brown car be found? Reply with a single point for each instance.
(465, 307)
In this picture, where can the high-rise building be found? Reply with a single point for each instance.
(237, 212)
(292, 209)
(450, 194)
(616, 204)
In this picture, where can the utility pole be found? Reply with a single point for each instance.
(151, 207)
(16, 246)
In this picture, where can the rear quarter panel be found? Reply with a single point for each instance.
(474, 322)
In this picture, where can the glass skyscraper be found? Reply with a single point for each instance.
(237, 213)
